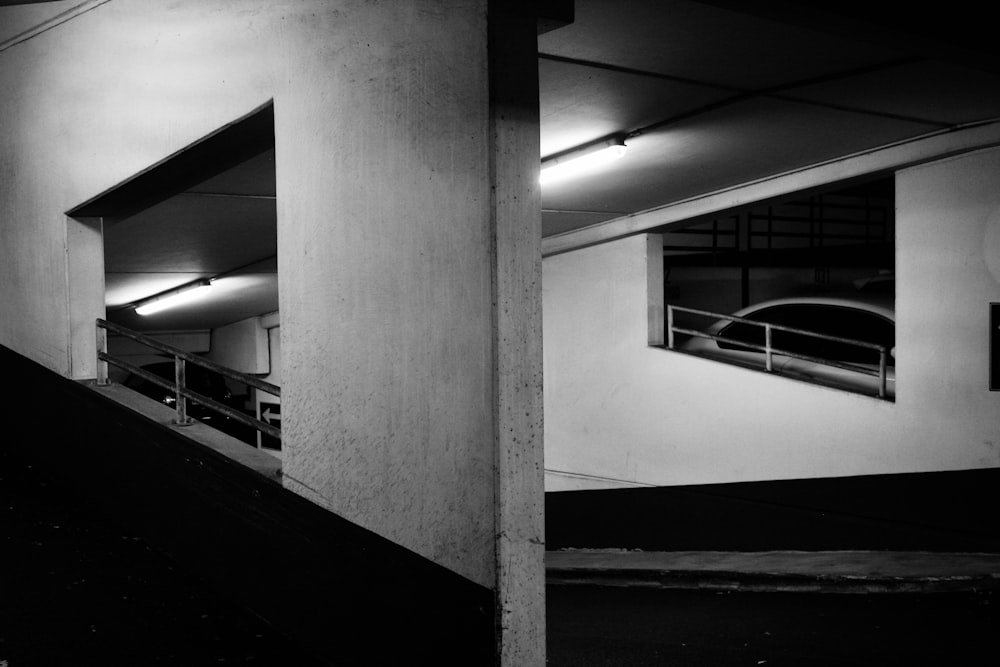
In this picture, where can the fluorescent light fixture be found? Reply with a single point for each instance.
(588, 157)
(175, 297)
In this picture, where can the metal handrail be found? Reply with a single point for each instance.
(182, 393)
(769, 350)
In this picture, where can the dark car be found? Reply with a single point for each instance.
(203, 381)
(869, 319)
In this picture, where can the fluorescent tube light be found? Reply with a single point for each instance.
(175, 297)
(580, 160)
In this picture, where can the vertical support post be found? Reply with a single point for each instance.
(102, 349)
(994, 341)
(655, 297)
(882, 367)
(743, 245)
(180, 382)
(769, 365)
(85, 292)
(670, 327)
(519, 475)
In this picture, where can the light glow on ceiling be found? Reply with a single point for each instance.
(176, 297)
(582, 160)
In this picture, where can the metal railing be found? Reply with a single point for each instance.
(769, 350)
(179, 386)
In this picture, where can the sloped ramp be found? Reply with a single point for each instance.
(341, 592)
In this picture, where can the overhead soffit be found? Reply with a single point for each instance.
(719, 97)
(676, 162)
(719, 93)
(206, 212)
(705, 44)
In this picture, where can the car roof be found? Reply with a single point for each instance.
(883, 305)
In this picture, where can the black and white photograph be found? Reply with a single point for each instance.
(499, 333)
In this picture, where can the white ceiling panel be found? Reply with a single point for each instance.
(193, 233)
(723, 148)
(580, 103)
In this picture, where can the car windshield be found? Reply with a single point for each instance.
(830, 320)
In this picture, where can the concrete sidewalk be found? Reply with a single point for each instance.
(784, 571)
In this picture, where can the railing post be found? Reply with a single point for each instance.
(102, 349)
(767, 345)
(882, 363)
(670, 327)
(180, 382)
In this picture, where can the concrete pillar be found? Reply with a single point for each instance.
(409, 255)
(85, 290)
(518, 339)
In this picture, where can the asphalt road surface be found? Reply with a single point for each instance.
(640, 627)
(76, 590)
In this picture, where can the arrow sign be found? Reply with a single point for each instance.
(270, 412)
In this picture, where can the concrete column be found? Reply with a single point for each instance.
(519, 472)
(409, 254)
(85, 290)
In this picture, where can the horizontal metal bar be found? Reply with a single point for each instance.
(778, 327)
(801, 219)
(194, 396)
(827, 204)
(705, 232)
(699, 249)
(784, 353)
(194, 359)
(820, 236)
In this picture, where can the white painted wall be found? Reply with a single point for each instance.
(242, 346)
(620, 413)
(89, 103)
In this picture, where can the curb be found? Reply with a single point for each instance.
(761, 582)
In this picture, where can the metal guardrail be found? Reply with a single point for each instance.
(178, 386)
(769, 350)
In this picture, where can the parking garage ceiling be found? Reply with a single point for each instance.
(711, 94)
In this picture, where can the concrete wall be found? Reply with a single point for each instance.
(385, 286)
(91, 102)
(242, 346)
(386, 233)
(620, 413)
